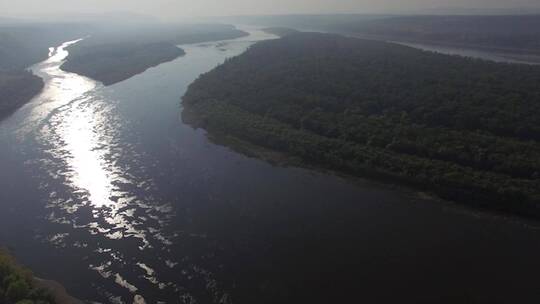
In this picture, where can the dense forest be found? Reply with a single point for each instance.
(112, 63)
(116, 55)
(465, 129)
(18, 286)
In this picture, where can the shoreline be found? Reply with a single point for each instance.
(31, 287)
(524, 56)
(32, 88)
(59, 292)
(285, 160)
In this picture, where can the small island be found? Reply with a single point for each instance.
(464, 129)
(17, 88)
(113, 63)
(114, 57)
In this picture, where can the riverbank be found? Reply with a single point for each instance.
(16, 89)
(58, 291)
(288, 160)
(19, 284)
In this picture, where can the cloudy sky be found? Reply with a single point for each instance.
(173, 8)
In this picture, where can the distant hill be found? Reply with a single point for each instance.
(114, 17)
(323, 22)
(7, 20)
(511, 33)
(24, 44)
(457, 10)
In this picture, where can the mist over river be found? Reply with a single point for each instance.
(105, 190)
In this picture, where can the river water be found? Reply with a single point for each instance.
(105, 190)
(500, 57)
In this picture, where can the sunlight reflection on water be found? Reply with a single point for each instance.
(60, 88)
(78, 129)
(83, 137)
(78, 132)
(99, 192)
(96, 183)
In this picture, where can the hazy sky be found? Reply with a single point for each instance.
(171, 8)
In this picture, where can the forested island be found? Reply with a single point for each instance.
(112, 63)
(114, 56)
(464, 129)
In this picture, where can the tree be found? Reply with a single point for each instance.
(17, 290)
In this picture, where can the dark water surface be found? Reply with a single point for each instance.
(105, 190)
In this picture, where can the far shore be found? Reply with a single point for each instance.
(528, 56)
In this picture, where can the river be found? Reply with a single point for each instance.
(500, 57)
(105, 190)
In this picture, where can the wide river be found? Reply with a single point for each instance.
(105, 190)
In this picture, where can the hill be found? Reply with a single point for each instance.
(24, 44)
